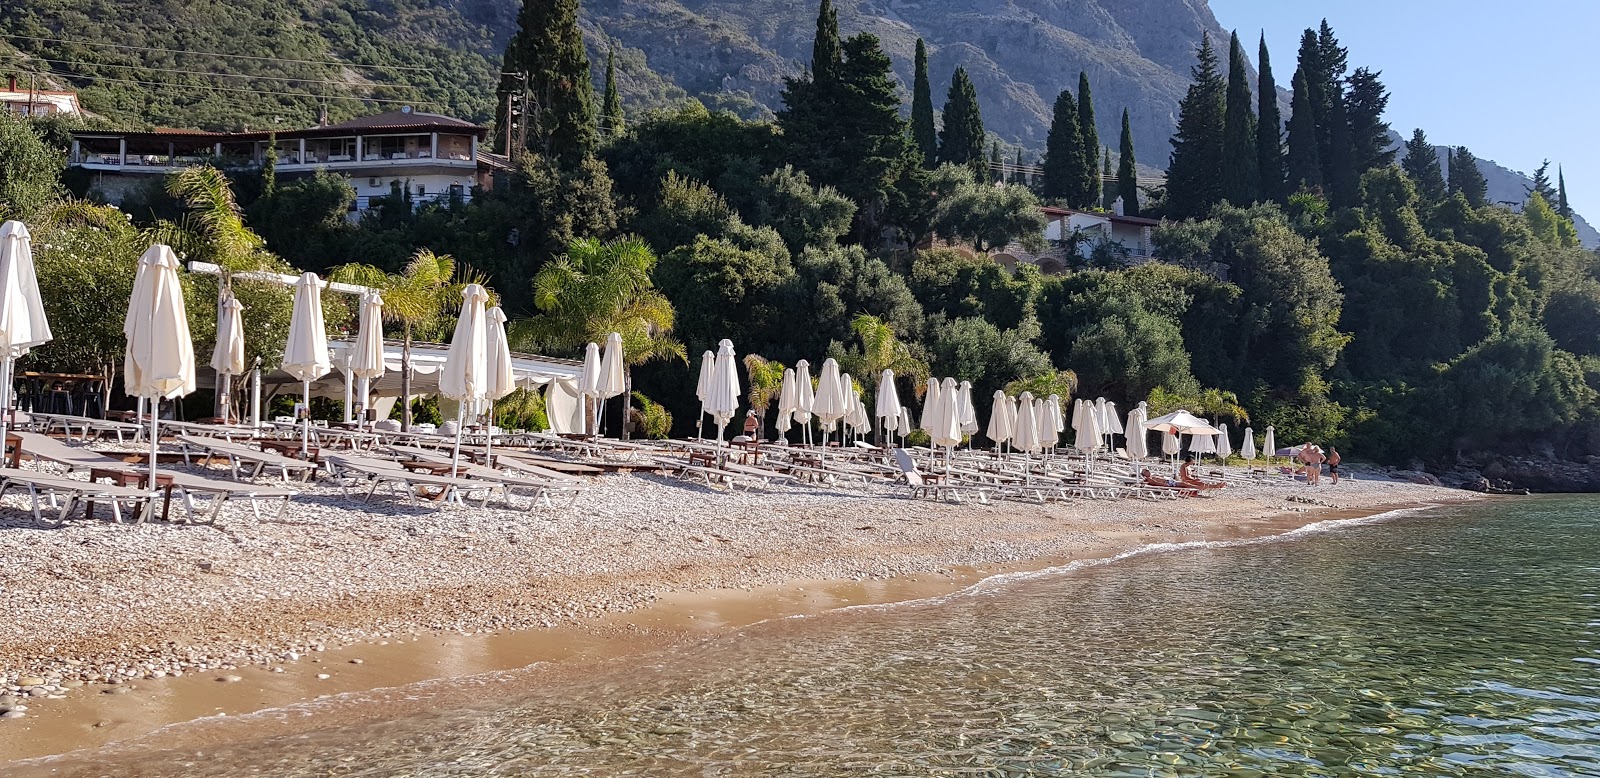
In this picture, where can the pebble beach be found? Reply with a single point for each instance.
(94, 606)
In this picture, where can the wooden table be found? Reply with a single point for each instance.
(431, 468)
(131, 478)
(291, 448)
(14, 442)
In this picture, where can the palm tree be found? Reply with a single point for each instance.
(882, 349)
(766, 379)
(418, 297)
(1062, 383)
(595, 289)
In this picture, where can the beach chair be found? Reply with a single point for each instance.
(238, 454)
(933, 486)
(51, 487)
(352, 471)
(545, 487)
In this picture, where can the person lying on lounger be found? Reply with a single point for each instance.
(1187, 478)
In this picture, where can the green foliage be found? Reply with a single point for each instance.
(1513, 383)
(306, 220)
(1369, 133)
(1062, 383)
(1422, 165)
(1547, 226)
(1304, 160)
(1091, 141)
(1269, 129)
(1063, 178)
(990, 216)
(651, 420)
(763, 378)
(612, 121)
(951, 283)
(881, 349)
(1241, 174)
(1127, 171)
(597, 289)
(1194, 175)
(29, 169)
(1466, 179)
(973, 349)
(547, 65)
(923, 133)
(961, 138)
(804, 216)
(695, 143)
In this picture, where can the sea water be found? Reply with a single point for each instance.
(1455, 641)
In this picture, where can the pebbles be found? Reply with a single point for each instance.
(333, 572)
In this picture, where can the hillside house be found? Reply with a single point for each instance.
(433, 157)
(19, 100)
(1074, 236)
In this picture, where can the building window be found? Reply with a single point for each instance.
(457, 191)
(422, 190)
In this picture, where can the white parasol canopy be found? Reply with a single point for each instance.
(829, 403)
(723, 400)
(1181, 423)
(886, 405)
(1271, 446)
(1026, 435)
(965, 411)
(1044, 415)
(501, 379)
(366, 357)
(947, 422)
(905, 426)
(1248, 450)
(466, 369)
(160, 358)
(22, 319)
(1224, 445)
(1170, 444)
(788, 400)
(930, 406)
(702, 389)
(1087, 427)
(306, 355)
(1137, 442)
(999, 429)
(1202, 444)
(807, 394)
(611, 381)
(227, 356)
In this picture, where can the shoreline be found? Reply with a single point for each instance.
(674, 611)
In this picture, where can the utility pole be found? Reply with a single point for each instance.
(33, 87)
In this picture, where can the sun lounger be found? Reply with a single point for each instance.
(545, 487)
(354, 470)
(86, 427)
(238, 454)
(52, 487)
(935, 486)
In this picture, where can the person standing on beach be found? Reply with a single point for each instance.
(1333, 464)
(1312, 458)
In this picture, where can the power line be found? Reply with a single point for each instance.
(125, 47)
(231, 89)
(221, 75)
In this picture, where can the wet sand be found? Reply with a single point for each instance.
(403, 675)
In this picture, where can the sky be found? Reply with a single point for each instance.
(1510, 81)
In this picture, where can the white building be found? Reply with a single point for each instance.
(19, 101)
(432, 157)
(1074, 236)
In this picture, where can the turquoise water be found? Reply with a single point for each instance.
(1454, 642)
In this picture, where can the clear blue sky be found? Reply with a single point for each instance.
(1511, 81)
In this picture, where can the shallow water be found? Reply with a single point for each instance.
(1454, 642)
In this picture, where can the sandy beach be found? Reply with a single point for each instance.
(97, 608)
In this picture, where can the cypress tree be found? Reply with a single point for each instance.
(1466, 179)
(826, 51)
(1020, 176)
(997, 171)
(1339, 171)
(1269, 131)
(1422, 165)
(1063, 155)
(1127, 170)
(1369, 133)
(922, 129)
(1562, 206)
(612, 122)
(1091, 140)
(1304, 166)
(1310, 66)
(1194, 176)
(1108, 200)
(1241, 183)
(961, 140)
(559, 112)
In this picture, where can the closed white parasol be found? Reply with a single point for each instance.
(306, 356)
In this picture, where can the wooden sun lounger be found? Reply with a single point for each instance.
(53, 486)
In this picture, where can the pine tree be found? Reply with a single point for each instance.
(612, 121)
(1091, 140)
(1062, 178)
(922, 129)
(1127, 170)
(1339, 171)
(1304, 164)
(826, 52)
(1542, 186)
(1422, 165)
(1194, 176)
(1369, 133)
(961, 140)
(558, 114)
(996, 163)
(1466, 179)
(1108, 198)
(1269, 130)
(1241, 181)
(1562, 206)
